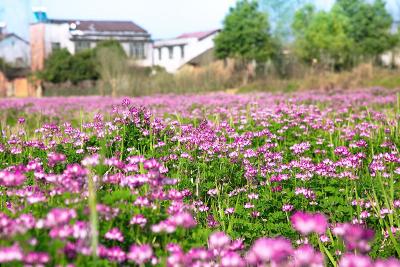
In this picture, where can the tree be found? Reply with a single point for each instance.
(83, 67)
(111, 63)
(321, 36)
(61, 67)
(113, 45)
(245, 35)
(370, 25)
(57, 67)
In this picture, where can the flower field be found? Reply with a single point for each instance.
(307, 179)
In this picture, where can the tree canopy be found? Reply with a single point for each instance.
(369, 26)
(245, 34)
(352, 31)
(61, 66)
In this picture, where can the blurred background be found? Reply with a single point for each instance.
(133, 47)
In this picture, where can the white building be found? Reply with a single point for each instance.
(14, 50)
(173, 54)
(77, 35)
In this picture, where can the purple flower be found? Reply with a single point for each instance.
(53, 158)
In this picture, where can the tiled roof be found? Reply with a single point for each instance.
(198, 35)
(102, 25)
(8, 35)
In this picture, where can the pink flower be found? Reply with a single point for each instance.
(9, 254)
(307, 256)
(140, 254)
(139, 219)
(114, 234)
(265, 250)
(232, 259)
(392, 262)
(287, 207)
(306, 223)
(351, 260)
(11, 179)
(184, 219)
(59, 216)
(218, 240)
(356, 237)
(229, 210)
(36, 258)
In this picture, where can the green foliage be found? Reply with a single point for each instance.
(353, 31)
(111, 45)
(83, 67)
(322, 36)
(112, 65)
(4, 67)
(57, 67)
(61, 66)
(245, 34)
(369, 26)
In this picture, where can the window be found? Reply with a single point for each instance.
(136, 50)
(81, 45)
(182, 51)
(171, 52)
(55, 46)
(159, 53)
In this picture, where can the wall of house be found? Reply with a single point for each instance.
(15, 51)
(58, 33)
(21, 87)
(193, 48)
(38, 47)
(391, 58)
(3, 85)
(147, 61)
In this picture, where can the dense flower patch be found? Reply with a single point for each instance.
(308, 179)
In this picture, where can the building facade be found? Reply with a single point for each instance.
(14, 50)
(188, 48)
(48, 35)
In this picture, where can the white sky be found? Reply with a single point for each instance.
(162, 18)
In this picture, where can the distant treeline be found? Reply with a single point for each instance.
(350, 33)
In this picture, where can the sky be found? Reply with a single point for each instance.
(162, 18)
